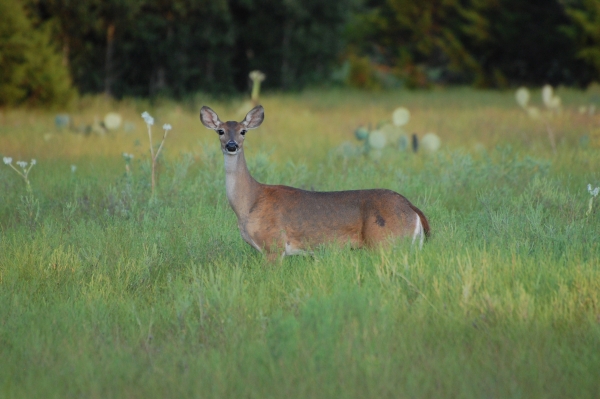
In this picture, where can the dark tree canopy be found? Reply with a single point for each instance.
(179, 47)
(484, 42)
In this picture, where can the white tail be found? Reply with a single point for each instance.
(282, 220)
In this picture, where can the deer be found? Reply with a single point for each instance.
(278, 220)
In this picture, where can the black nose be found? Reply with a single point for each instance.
(231, 146)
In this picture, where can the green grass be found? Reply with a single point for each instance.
(107, 294)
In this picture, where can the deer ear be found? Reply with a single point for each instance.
(254, 118)
(209, 118)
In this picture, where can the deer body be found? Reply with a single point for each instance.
(282, 220)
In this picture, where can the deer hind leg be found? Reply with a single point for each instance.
(381, 227)
(385, 228)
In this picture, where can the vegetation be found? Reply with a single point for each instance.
(147, 48)
(31, 69)
(488, 43)
(107, 293)
(585, 31)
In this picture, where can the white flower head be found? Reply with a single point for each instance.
(147, 118)
(22, 164)
(167, 127)
(257, 76)
(555, 102)
(33, 161)
(7, 160)
(400, 116)
(594, 192)
(377, 139)
(533, 112)
(547, 94)
(522, 96)
(73, 168)
(551, 101)
(128, 157)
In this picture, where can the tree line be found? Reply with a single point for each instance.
(176, 48)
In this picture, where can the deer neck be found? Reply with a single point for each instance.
(240, 185)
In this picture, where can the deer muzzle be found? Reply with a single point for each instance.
(231, 146)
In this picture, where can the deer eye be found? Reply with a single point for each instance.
(221, 132)
(243, 132)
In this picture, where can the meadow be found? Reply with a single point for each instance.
(106, 291)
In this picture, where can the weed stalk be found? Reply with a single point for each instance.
(154, 155)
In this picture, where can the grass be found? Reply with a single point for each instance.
(107, 294)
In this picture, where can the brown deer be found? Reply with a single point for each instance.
(282, 220)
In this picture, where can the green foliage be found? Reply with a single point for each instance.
(586, 30)
(509, 50)
(31, 69)
(418, 33)
(148, 48)
(184, 46)
(12, 53)
(485, 42)
(294, 42)
(181, 47)
(361, 73)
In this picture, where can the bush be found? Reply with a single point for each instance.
(31, 70)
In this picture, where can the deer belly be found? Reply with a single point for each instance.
(312, 232)
(297, 233)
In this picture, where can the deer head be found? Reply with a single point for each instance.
(232, 133)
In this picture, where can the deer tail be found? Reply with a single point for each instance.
(424, 221)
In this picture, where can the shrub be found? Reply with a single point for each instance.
(31, 70)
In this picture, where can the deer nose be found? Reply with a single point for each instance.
(231, 146)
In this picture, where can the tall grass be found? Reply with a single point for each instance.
(108, 294)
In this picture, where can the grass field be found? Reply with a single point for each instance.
(107, 293)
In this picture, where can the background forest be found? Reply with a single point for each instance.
(147, 48)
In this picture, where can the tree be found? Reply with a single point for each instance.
(585, 32)
(415, 38)
(294, 42)
(521, 42)
(31, 69)
(485, 42)
(179, 47)
(88, 31)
